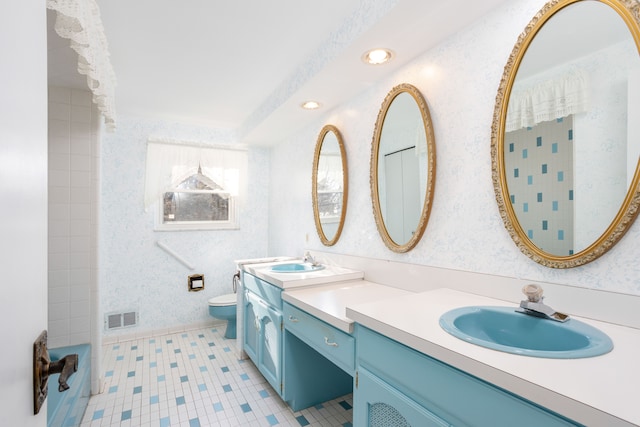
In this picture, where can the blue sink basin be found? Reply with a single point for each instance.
(296, 267)
(504, 329)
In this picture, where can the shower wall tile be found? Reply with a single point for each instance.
(80, 211)
(59, 145)
(81, 98)
(58, 195)
(58, 311)
(81, 114)
(58, 212)
(79, 243)
(59, 95)
(58, 244)
(81, 146)
(81, 162)
(72, 180)
(79, 276)
(58, 111)
(58, 178)
(58, 278)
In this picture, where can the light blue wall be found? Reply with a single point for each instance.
(134, 272)
(459, 78)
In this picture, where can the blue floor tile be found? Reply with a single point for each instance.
(345, 405)
(126, 415)
(272, 420)
(153, 400)
(195, 422)
(302, 420)
(137, 390)
(180, 400)
(226, 388)
(218, 407)
(164, 422)
(98, 414)
(245, 407)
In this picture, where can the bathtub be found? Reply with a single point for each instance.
(66, 409)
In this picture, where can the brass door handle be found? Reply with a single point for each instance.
(43, 367)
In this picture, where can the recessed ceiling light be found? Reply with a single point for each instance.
(310, 105)
(377, 56)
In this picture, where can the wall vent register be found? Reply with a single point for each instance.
(120, 320)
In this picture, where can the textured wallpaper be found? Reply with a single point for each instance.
(135, 274)
(459, 79)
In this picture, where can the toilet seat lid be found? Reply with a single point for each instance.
(223, 300)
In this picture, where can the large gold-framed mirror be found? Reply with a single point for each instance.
(329, 185)
(565, 145)
(403, 168)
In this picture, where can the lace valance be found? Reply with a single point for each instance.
(547, 100)
(169, 162)
(79, 21)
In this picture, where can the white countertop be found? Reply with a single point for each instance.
(329, 302)
(329, 273)
(597, 391)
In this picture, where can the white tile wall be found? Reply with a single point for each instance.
(73, 185)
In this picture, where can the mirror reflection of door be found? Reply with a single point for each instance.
(402, 185)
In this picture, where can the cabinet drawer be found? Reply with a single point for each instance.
(265, 290)
(450, 394)
(332, 343)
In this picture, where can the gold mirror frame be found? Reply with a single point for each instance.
(314, 184)
(431, 167)
(629, 11)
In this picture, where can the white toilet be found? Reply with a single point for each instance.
(224, 307)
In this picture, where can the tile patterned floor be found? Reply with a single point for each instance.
(194, 379)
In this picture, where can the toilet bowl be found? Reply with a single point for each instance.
(224, 307)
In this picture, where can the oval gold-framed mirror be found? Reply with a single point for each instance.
(564, 155)
(403, 168)
(330, 187)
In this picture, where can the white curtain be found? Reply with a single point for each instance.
(170, 162)
(80, 22)
(547, 100)
(330, 172)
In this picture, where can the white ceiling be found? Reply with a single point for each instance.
(245, 66)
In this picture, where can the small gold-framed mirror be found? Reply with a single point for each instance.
(403, 168)
(565, 145)
(329, 185)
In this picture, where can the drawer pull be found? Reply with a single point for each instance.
(293, 319)
(327, 342)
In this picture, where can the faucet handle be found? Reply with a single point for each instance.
(533, 292)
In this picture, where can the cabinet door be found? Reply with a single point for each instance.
(251, 327)
(270, 345)
(377, 404)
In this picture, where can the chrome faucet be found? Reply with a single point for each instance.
(310, 259)
(534, 305)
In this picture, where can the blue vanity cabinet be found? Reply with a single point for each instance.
(263, 328)
(319, 359)
(396, 385)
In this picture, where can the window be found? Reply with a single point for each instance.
(194, 187)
